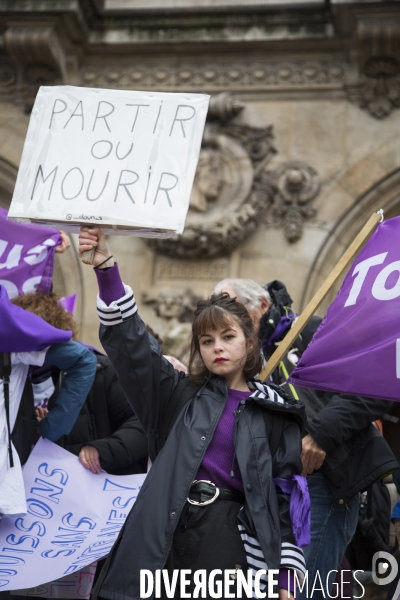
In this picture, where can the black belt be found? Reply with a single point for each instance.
(205, 492)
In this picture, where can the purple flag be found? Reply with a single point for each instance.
(357, 346)
(26, 256)
(22, 331)
(68, 303)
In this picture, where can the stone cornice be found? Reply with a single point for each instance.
(304, 19)
(304, 47)
(240, 75)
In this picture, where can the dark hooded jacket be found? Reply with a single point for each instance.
(106, 421)
(356, 453)
(152, 387)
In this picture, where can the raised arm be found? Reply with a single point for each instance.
(147, 378)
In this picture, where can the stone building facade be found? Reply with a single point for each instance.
(301, 145)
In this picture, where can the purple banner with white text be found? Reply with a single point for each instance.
(357, 346)
(26, 256)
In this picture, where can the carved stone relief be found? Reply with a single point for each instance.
(51, 48)
(176, 308)
(380, 86)
(176, 341)
(172, 304)
(296, 185)
(377, 88)
(8, 74)
(250, 74)
(33, 56)
(166, 270)
(233, 189)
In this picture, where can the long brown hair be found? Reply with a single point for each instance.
(213, 314)
(47, 307)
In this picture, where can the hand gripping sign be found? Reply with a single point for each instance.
(118, 159)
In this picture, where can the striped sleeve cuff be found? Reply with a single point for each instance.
(292, 557)
(254, 555)
(119, 310)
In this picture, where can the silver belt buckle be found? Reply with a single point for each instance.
(211, 500)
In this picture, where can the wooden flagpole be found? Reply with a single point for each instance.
(312, 306)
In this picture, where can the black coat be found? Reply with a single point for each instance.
(356, 453)
(151, 385)
(108, 423)
(125, 451)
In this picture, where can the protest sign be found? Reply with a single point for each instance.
(73, 518)
(26, 256)
(78, 585)
(118, 159)
(356, 349)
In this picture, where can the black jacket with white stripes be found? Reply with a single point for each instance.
(150, 384)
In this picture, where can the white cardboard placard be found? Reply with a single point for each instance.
(122, 160)
(73, 519)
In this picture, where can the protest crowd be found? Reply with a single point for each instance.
(306, 479)
(127, 474)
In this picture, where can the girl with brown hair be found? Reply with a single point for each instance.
(224, 501)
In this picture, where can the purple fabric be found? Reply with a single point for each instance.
(356, 349)
(286, 580)
(26, 256)
(282, 326)
(219, 459)
(68, 303)
(22, 331)
(110, 283)
(300, 505)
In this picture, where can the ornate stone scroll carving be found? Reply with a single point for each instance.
(377, 88)
(224, 107)
(225, 206)
(380, 86)
(296, 185)
(233, 189)
(34, 57)
(30, 46)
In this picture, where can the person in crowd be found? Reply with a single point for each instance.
(106, 434)
(394, 586)
(225, 492)
(342, 452)
(26, 340)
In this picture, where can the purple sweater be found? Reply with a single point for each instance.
(111, 287)
(217, 461)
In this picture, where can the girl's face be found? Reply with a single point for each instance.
(224, 351)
